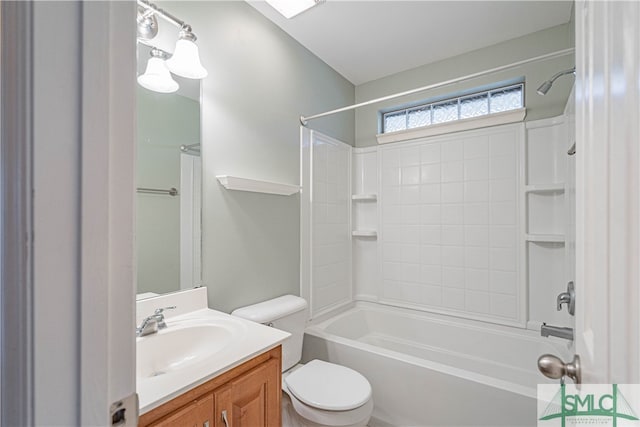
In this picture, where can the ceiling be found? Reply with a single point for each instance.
(368, 39)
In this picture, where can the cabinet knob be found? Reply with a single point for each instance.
(224, 418)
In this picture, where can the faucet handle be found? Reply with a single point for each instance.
(160, 317)
(161, 310)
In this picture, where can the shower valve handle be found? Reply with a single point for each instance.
(569, 298)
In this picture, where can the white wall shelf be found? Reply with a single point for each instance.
(365, 197)
(364, 233)
(545, 188)
(257, 186)
(545, 238)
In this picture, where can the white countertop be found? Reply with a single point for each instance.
(249, 340)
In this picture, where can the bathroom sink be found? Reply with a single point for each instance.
(180, 346)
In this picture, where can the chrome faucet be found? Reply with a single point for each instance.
(152, 324)
(556, 331)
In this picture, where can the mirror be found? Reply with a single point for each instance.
(168, 195)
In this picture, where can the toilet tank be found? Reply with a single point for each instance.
(287, 313)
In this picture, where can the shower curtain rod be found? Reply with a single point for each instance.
(304, 120)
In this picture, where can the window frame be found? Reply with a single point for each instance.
(458, 100)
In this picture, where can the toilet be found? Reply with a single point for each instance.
(321, 393)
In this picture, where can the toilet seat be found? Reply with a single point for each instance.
(329, 395)
(328, 386)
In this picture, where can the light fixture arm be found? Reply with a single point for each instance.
(163, 14)
(145, 15)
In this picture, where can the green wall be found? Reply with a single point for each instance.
(260, 81)
(529, 46)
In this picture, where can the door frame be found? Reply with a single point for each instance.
(68, 152)
(16, 296)
(107, 262)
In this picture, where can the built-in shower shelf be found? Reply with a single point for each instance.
(544, 188)
(257, 186)
(364, 233)
(365, 197)
(545, 238)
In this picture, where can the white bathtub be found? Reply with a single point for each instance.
(432, 370)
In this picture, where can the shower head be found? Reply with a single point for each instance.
(544, 87)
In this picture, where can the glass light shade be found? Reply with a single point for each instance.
(157, 77)
(185, 61)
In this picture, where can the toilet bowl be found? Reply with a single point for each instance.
(326, 394)
(319, 393)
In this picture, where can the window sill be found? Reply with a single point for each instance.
(495, 119)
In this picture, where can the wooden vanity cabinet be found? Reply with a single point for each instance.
(245, 402)
(195, 414)
(246, 396)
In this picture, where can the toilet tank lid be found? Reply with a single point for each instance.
(273, 309)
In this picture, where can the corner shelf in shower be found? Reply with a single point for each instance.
(364, 197)
(364, 233)
(257, 186)
(545, 238)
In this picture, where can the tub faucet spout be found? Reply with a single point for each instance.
(556, 331)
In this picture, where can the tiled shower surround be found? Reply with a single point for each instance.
(450, 225)
(470, 224)
(331, 243)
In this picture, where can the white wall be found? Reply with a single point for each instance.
(260, 81)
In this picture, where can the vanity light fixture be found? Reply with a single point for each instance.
(185, 61)
(147, 27)
(157, 76)
(291, 8)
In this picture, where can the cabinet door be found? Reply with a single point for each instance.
(252, 399)
(196, 414)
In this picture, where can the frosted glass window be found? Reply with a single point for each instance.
(474, 106)
(465, 107)
(445, 112)
(394, 122)
(419, 117)
(506, 99)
